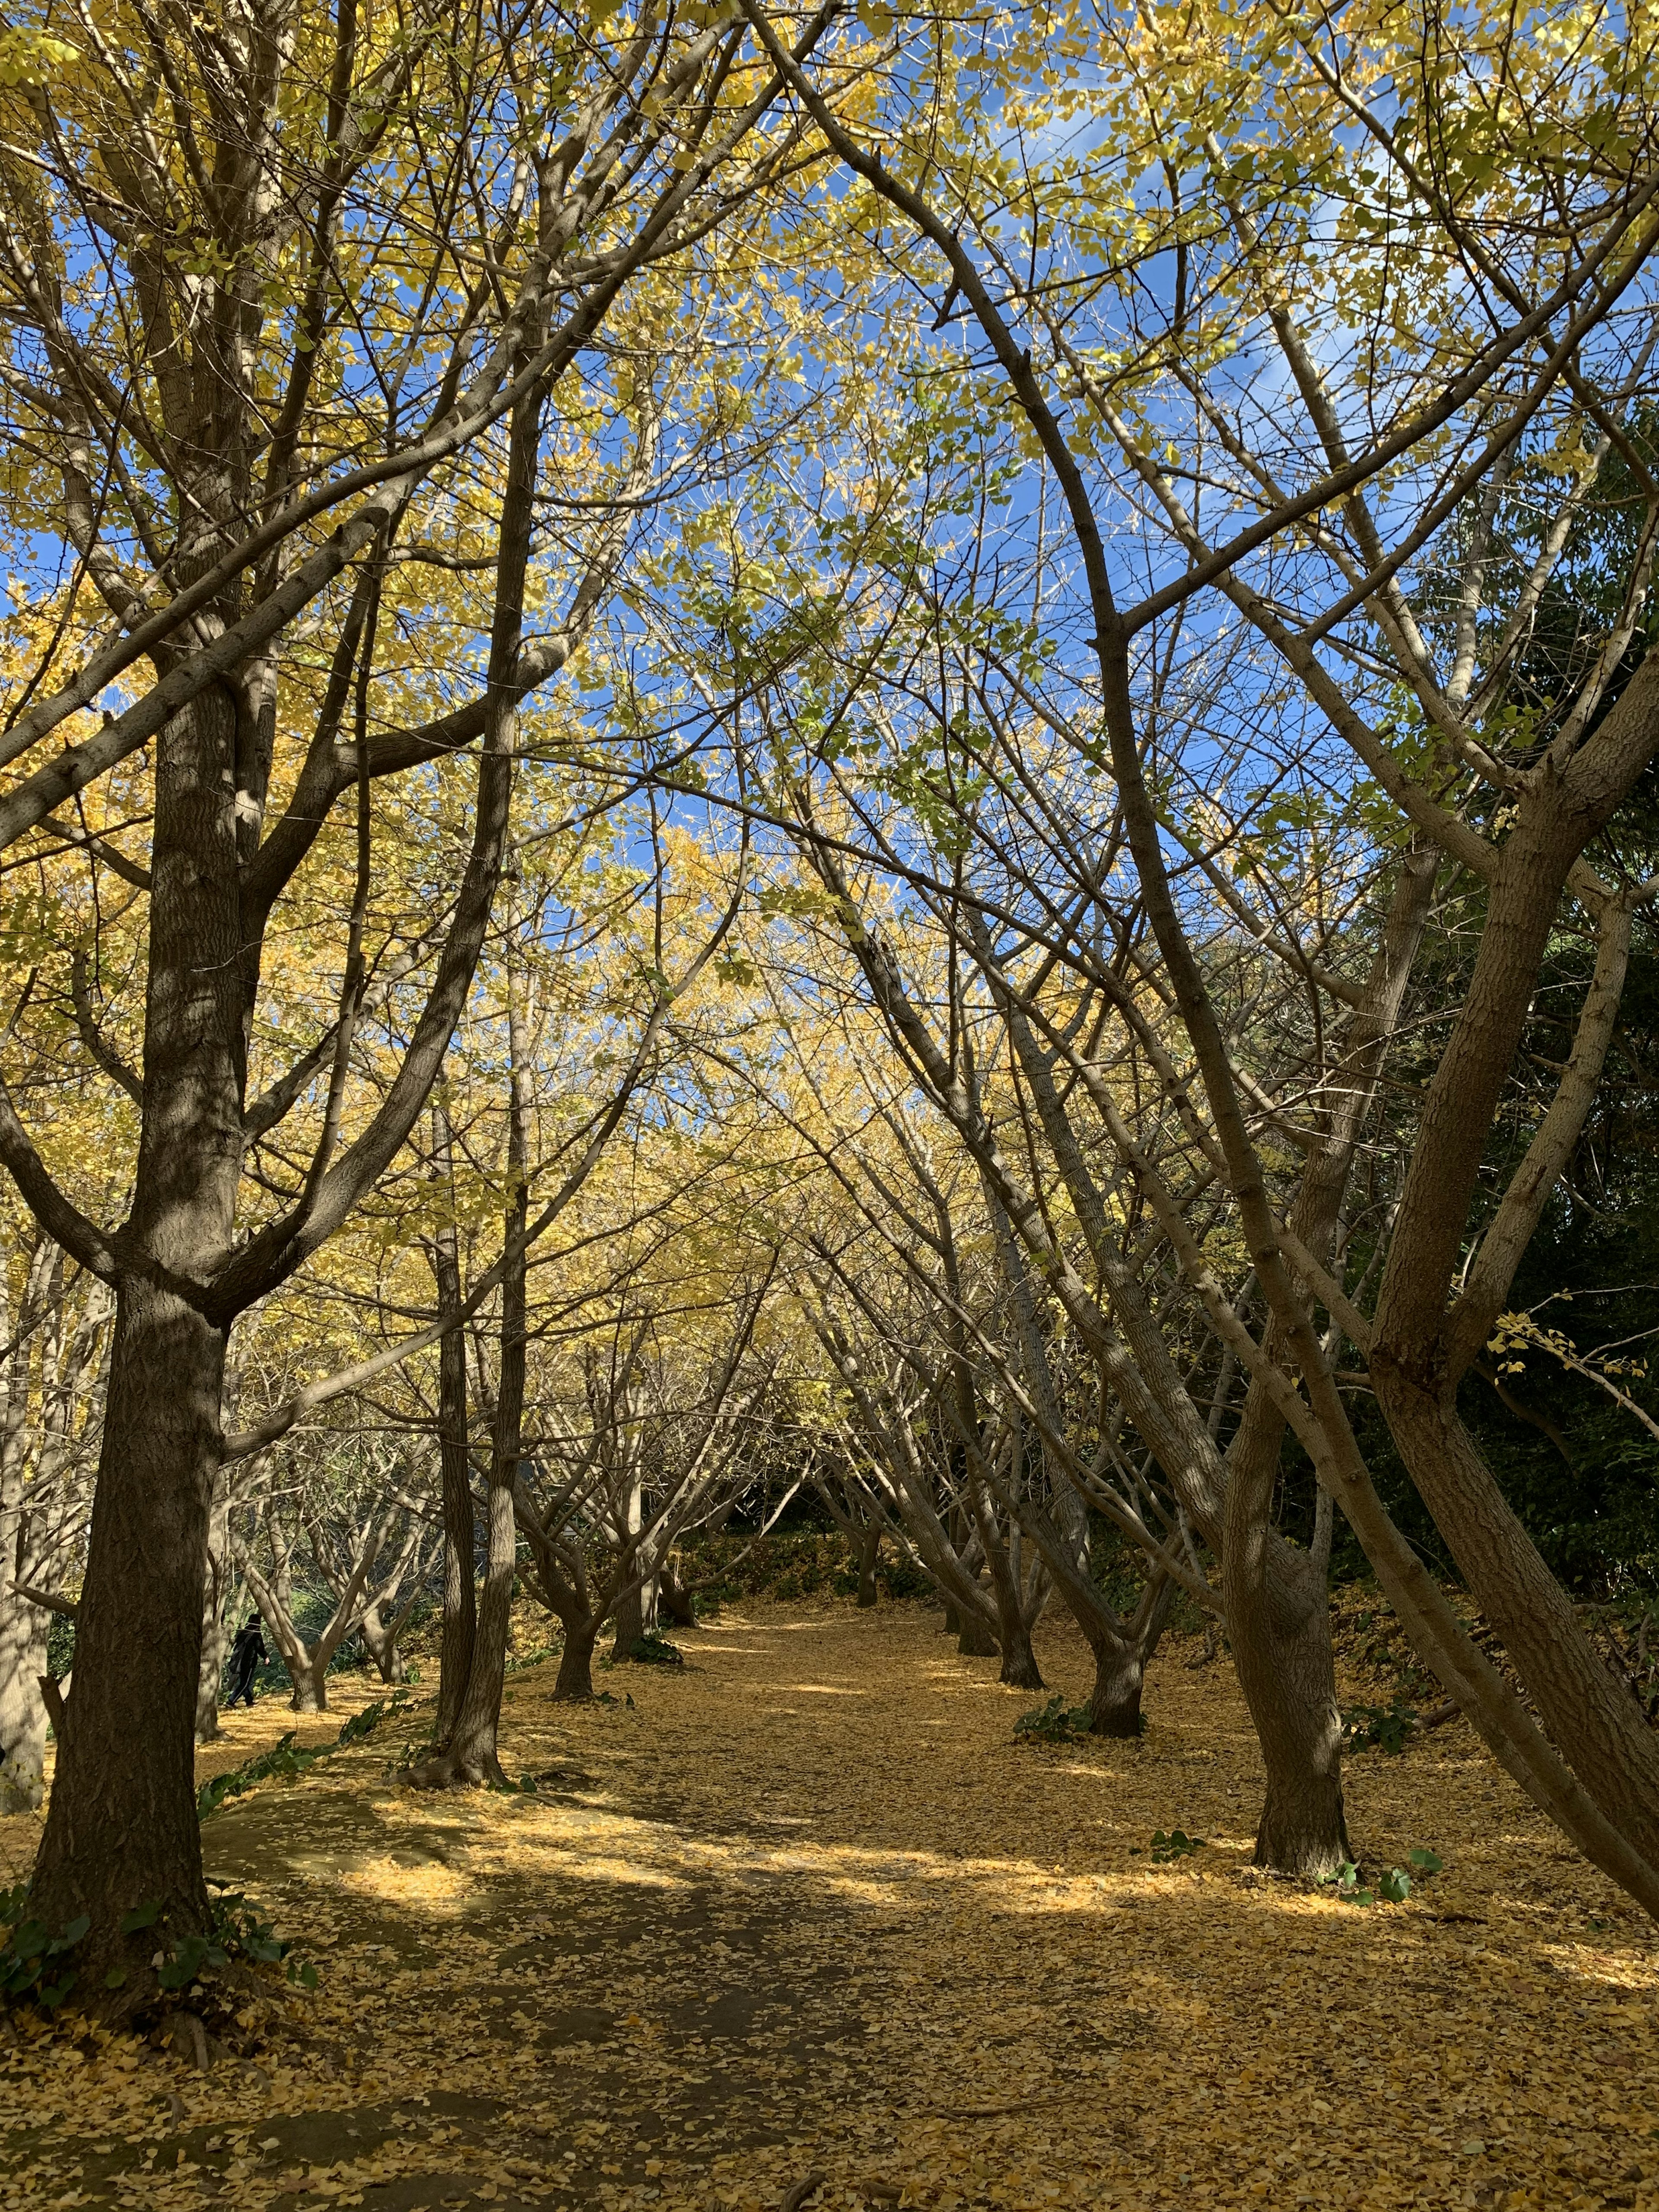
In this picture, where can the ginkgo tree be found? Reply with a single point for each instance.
(1279, 308)
(321, 475)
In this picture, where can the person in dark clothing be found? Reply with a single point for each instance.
(247, 1655)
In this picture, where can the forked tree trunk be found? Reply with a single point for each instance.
(307, 1682)
(1120, 1662)
(380, 1641)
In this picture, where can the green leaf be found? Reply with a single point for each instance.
(116, 1978)
(1395, 1886)
(141, 1916)
(77, 1928)
(1425, 1861)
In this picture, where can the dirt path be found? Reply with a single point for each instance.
(806, 1907)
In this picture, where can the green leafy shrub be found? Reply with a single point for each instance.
(1177, 1844)
(1393, 1887)
(362, 1725)
(1387, 1727)
(1055, 1723)
(656, 1650)
(235, 1931)
(287, 1761)
(34, 1966)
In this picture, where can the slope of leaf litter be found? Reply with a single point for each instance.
(807, 1908)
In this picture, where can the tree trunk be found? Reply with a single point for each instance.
(380, 1642)
(468, 1754)
(308, 1683)
(1590, 1714)
(973, 1637)
(121, 1828)
(218, 1584)
(23, 1715)
(869, 1552)
(675, 1599)
(630, 1617)
(1114, 1706)
(460, 1534)
(1120, 1662)
(575, 1679)
(1280, 1632)
(1019, 1667)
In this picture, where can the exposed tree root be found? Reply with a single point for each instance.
(451, 1769)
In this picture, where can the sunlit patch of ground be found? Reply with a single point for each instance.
(806, 1908)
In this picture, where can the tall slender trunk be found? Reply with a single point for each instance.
(218, 1585)
(468, 1754)
(460, 1534)
(869, 1554)
(22, 1715)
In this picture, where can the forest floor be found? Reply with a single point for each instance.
(806, 1908)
